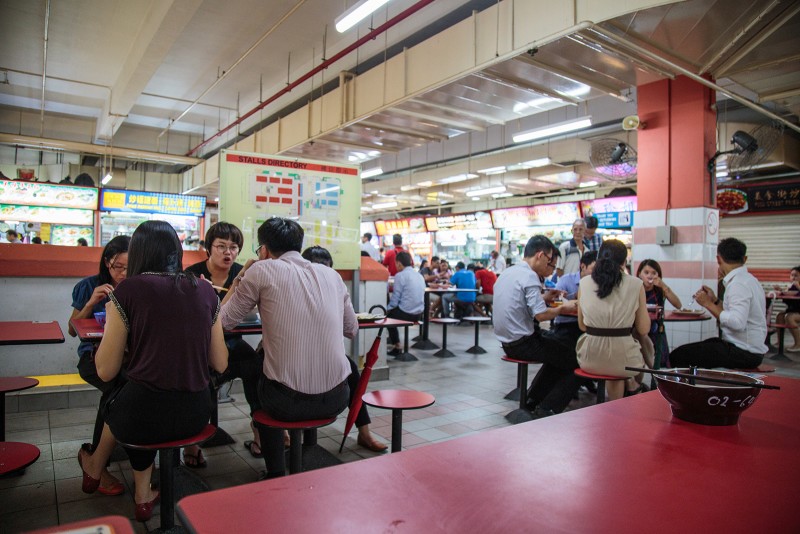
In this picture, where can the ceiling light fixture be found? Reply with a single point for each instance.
(369, 173)
(457, 178)
(493, 170)
(591, 183)
(358, 12)
(503, 195)
(553, 129)
(383, 205)
(487, 191)
(535, 163)
(106, 179)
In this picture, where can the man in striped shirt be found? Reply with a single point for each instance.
(305, 310)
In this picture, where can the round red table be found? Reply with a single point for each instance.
(398, 400)
(15, 456)
(7, 385)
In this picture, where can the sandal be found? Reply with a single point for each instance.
(197, 460)
(249, 445)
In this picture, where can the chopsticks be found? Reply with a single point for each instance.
(218, 288)
(701, 377)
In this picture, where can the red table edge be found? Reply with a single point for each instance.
(90, 330)
(118, 524)
(48, 341)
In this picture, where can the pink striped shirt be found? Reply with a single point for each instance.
(305, 310)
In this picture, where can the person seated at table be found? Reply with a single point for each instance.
(657, 293)
(462, 301)
(305, 311)
(742, 316)
(565, 327)
(317, 254)
(613, 312)
(484, 283)
(225, 242)
(791, 316)
(408, 298)
(519, 306)
(167, 319)
(89, 296)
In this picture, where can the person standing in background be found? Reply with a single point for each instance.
(369, 248)
(389, 258)
(591, 238)
(497, 263)
(572, 250)
(82, 242)
(12, 236)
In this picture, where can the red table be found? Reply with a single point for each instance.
(116, 524)
(615, 467)
(398, 400)
(90, 330)
(7, 385)
(30, 333)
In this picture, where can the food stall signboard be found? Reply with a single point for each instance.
(541, 215)
(42, 194)
(479, 220)
(45, 214)
(759, 199)
(614, 212)
(147, 202)
(413, 225)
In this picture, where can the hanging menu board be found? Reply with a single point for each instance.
(43, 194)
(460, 221)
(324, 198)
(541, 215)
(413, 225)
(614, 212)
(148, 202)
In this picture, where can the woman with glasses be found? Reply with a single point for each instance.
(223, 243)
(90, 296)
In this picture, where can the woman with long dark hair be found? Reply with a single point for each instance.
(612, 310)
(167, 320)
(656, 292)
(90, 296)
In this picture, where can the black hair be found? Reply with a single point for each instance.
(36, 240)
(82, 242)
(423, 264)
(795, 269)
(591, 221)
(155, 248)
(364, 253)
(459, 265)
(115, 247)
(404, 258)
(317, 254)
(397, 240)
(12, 232)
(589, 258)
(471, 267)
(731, 250)
(653, 264)
(223, 230)
(607, 272)
(540, 243)
(435, 259)
(281, 235)
(368, 235)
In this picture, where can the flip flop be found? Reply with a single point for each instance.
(249, 446)
(198, 462)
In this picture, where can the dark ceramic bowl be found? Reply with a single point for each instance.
(708, 403)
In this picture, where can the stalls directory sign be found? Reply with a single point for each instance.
(413, 225)
(613, 212)
(324, 198)
(541, 215)
(479, 220)
(148, 202)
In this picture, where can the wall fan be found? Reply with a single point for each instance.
(613, 159)
(750, 149)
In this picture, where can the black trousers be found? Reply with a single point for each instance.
(285, 404)
(555, 383)
(141, 416)
(88, 372)
(397, 313)
(245, 363)
(714, 352)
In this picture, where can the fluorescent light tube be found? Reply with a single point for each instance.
(106, 179)
(357, 13)
(382, 205)
(494, 170)
(369, 173)
(486, 191)
(535, 163)
(591, 183)
(553, 129)
(456, 178)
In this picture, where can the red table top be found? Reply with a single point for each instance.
(602, 469)
(30, 333)
(16, 383)
(15, 456)
(116, 523)
(673, 317)
(398, 399)
(384, 323)
(90, 330)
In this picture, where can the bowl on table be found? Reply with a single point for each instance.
(100, 317)
(708, 403)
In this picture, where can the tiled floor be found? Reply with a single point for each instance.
(469, 393)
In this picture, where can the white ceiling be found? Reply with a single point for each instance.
(123, 71)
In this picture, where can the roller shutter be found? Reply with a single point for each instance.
(773, 241)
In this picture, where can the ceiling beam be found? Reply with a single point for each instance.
(410, 132)
(353, 146)
(779, 95)
(453, 123)
(458, 111)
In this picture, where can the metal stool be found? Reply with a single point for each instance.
(477, 349)
(444, 353)
(521, 414)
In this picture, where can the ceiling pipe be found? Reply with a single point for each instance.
(44, 64)
(689, 74)
(319, 68)
(230, 69)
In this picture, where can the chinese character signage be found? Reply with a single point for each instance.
(541, 215)
(44, 194)
(759, 199)
(146, 202)
(614, 212)
(413, 225)
(461, 221)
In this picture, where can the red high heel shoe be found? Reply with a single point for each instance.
(144, 511)
(89, 484)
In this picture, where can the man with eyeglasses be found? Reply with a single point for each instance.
(519, 306)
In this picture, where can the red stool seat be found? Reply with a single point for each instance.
(166, 462)
(398, 400)
(601, 382)
(295, 428)
(15, 456)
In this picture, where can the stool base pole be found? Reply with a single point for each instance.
(397, 430)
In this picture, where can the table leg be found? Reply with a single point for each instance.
(3, 417)
(425, 343)
(397, 429)
(405, 356)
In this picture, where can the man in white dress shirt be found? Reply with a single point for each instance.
(498, 263)
(369, 248)
(742, 317)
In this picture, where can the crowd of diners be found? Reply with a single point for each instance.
(164, 347)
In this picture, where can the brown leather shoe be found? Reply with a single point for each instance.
(371, 444)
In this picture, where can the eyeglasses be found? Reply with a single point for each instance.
(118, 268)
(257, 249)
(233, 249)
(550, 262)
